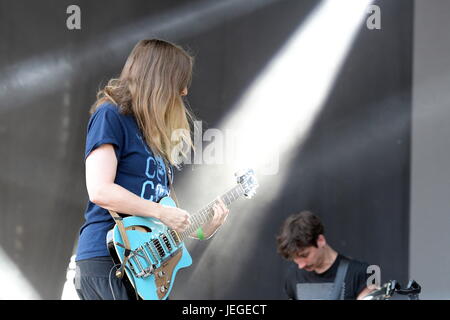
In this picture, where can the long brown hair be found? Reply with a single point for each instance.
(149, 87)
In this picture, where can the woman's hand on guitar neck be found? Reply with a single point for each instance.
(221, 212)
(175, 218)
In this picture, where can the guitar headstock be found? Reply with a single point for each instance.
(248, 182)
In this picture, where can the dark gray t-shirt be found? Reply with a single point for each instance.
(306, 285)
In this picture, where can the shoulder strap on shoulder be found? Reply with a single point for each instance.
(339, 280)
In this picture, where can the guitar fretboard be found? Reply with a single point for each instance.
(207, 213)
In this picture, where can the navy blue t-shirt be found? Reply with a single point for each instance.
(138, 171)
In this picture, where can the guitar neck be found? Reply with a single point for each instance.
(206, 214)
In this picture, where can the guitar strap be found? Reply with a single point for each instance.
(126, 243)
(339, 280)
(119, 222)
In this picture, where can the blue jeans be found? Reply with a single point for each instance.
(95, 279)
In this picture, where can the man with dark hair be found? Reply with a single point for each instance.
(320, 273)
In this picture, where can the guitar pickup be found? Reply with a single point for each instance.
(159, 247)
(166, 242)
(175, 238)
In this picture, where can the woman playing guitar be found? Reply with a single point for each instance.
(130, 154)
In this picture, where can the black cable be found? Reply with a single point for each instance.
(109, 279)
(110, 284)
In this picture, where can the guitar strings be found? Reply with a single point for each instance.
(207, 211)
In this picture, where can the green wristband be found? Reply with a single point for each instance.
(200, 234)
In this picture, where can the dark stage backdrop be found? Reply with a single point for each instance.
(353, 171)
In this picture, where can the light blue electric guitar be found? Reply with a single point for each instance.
(158, 252)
